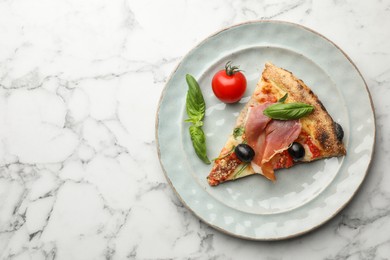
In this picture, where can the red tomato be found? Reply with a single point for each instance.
(229, 85)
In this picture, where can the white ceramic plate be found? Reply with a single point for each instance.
(305, 196)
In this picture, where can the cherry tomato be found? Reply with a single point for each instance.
(229, 84)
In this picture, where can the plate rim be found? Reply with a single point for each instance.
(163, 92)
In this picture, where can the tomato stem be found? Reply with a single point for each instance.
(230, 70)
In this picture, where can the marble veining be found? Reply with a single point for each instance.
(79, 87)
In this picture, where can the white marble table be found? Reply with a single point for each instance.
(79, 87)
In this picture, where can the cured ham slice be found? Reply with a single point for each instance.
(268, 137)
(255, 130)
(256, 122)
(255, 135)
(279, 135)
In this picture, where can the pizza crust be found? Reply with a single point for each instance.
(319, 124)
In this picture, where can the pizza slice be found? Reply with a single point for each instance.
(259, 144)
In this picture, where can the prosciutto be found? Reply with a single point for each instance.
(268, 137)
(279, 135)
(255, 126)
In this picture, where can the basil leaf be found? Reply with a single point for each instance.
(288, 111)
(238, 131)
(239, 172)
(198, 139)
(196, 108)
(225, 155)
(281, 100)
(195, 105)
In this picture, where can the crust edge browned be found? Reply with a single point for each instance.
(319, 124)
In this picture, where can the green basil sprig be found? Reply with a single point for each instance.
(196, 108)
(238, 131)
(198, 139)
(239, 172)
(282, 99)
(195, 105)
(289, 111)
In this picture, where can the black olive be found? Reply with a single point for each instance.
(296, 151)
(339, 131)
(244, 152)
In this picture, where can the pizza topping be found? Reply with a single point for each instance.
(306, 139)
(297, 151)
(282, 99)
(282, 160)
(339, 131)
(255, 124)
(288, 111)
(238, 131)
(267, 169)
(244, 152)
(267, 94)
(241, 170)
(223, 169)
(254, 130)
(225, 152)
(279, 136)
(268, 137)
(313, 148)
